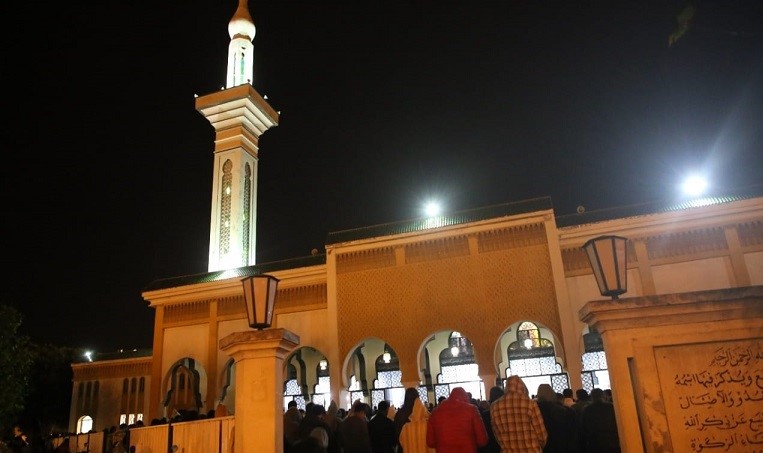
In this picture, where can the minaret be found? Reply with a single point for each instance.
(240, 116)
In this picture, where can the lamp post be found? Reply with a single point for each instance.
(608, 256)
(259, 356)
(260, 298)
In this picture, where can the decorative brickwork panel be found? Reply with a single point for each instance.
(750, 234)
(290, 299)
(410, 302)
(231, 306)
(520, 236)
(438, 249)
(575, 260)
(365, 260)
(687, 243)
(112, 369)
(189, 311)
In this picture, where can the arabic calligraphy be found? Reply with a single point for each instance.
(727, 442)
(717, 392)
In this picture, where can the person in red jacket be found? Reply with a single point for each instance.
(455, 425)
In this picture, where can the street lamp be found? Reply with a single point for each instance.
(260, 298)
(608, 256)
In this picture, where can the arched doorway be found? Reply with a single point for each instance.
(595, 372)
(373, 373)
(307, 378)
(184, 384)
(454, 366)
(532, 356)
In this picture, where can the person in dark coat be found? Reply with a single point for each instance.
(582, 399)
(21, 442)
(291, 419)
(352, 432)
(599, 427)
(492, 444)
(560, 421)
(313, 421)
(382, 430)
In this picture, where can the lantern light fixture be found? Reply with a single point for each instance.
(323, 364)
(608, 256)
(260, 298)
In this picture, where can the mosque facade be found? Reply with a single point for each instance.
(465, 299)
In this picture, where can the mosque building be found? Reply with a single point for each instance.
(464, 299)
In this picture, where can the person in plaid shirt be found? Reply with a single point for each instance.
(517, 421)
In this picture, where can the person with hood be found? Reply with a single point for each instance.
(401, 417)
(517, 421)
(456, 426)
(413, 436)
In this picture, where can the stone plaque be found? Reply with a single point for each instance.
(713, 395)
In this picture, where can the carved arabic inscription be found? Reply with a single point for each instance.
(713, 395)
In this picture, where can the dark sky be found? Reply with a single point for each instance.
(108, 167)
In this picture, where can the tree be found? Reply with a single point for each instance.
(15, 365)
(50, 387)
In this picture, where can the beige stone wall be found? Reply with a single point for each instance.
(707, 248)
(105, 404)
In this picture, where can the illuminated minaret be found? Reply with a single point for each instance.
(240, 116)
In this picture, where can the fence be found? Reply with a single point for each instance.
(212, 435)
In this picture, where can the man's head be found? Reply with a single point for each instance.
(581, 395)
(291, 404)
(567, 393)
(597, 395)
(318, 409)
(383, 407)
(495, 393)
(359, 409)
(546, 393)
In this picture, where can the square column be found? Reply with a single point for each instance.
(259, 356)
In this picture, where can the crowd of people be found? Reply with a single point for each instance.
(510, 421)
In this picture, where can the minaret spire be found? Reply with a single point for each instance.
(240, 116)
(240, 50)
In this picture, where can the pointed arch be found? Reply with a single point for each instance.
(183, 392)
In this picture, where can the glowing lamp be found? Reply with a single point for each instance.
(260, 298)
(608, 256)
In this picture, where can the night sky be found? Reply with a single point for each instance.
(107, 174)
